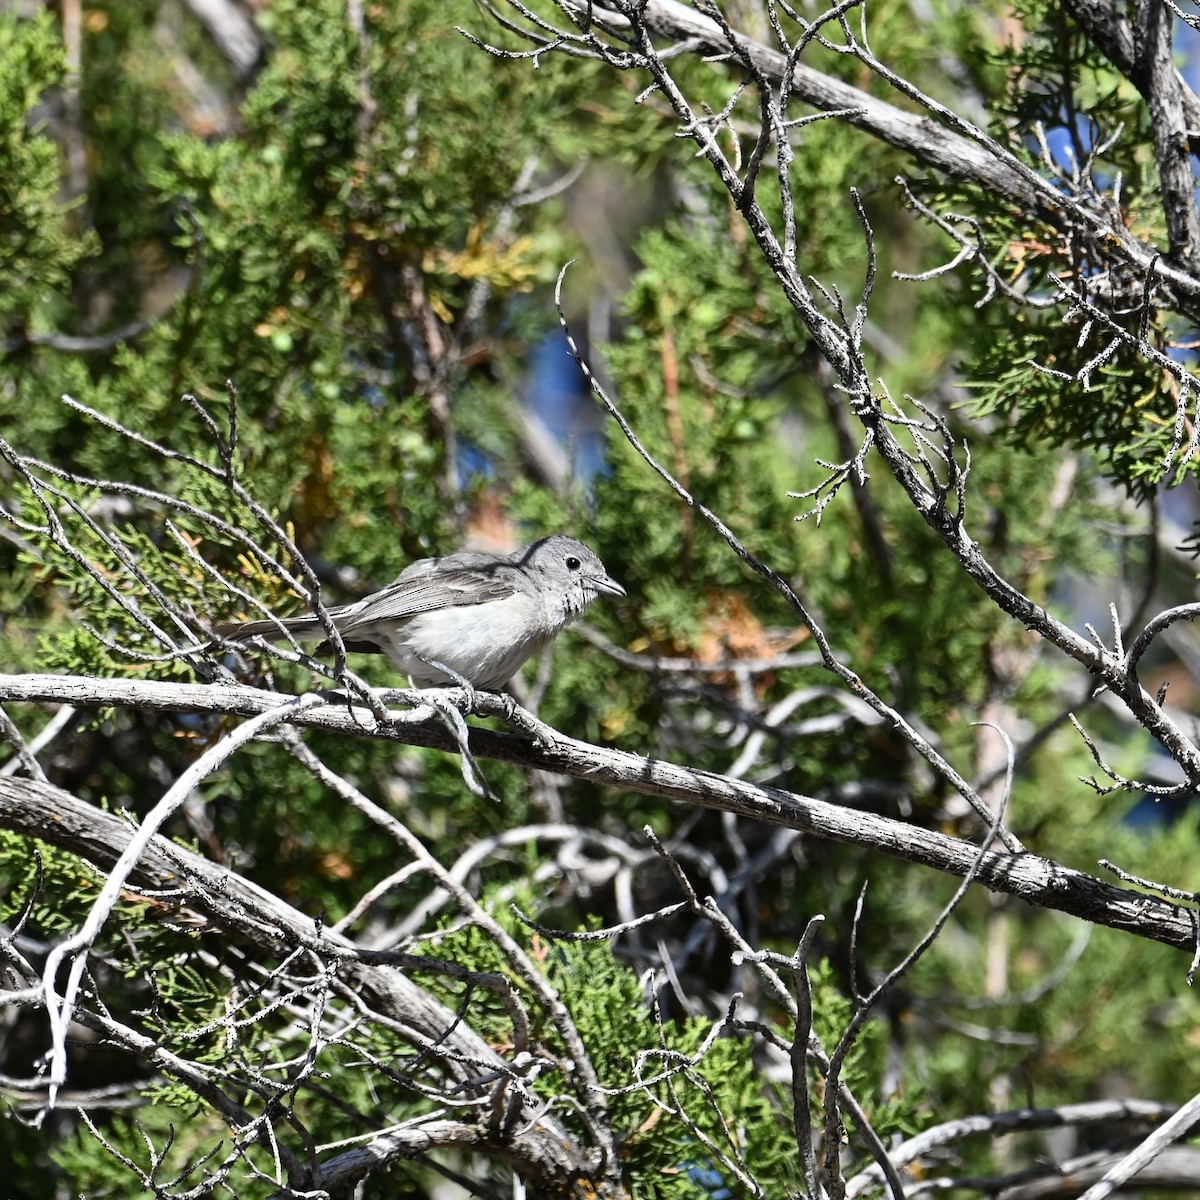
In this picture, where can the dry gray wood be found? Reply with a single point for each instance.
(550, 1159)
(975, 159)
(1037, 880)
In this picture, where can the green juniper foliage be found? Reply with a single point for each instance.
(1064, 102)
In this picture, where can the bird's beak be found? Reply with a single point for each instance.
(604, 583)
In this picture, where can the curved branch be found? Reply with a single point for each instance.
(1014, 1121)
(1163, 621)
(74, 950)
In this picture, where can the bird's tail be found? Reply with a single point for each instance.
(301, 628)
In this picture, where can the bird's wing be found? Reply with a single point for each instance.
(421, 589)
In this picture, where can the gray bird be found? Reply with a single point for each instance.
(465, 618)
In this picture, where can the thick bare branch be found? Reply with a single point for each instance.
(555, 1165)
(976, 159)
(1037, 880)
(1164, 91)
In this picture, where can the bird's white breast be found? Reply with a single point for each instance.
(484, 643)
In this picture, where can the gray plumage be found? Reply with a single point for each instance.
(464, 617)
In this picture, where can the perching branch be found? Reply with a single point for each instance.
(1037, 880)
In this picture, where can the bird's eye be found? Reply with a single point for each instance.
(573, 564)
